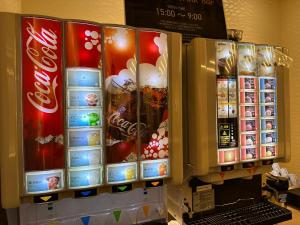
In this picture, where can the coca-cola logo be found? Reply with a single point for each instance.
(44, 58)
(127, 128)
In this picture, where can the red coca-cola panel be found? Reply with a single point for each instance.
(42, 83)
(153, 81)
(83, 45)
(121, 94)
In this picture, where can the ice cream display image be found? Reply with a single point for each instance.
(153, 81)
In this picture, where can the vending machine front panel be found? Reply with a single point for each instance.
(267, 83)
(84, 109)
(153, 89)
(120, 74)
(227, 100)
(43, 104)
(248, 102)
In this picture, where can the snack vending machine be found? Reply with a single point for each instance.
(89, 114)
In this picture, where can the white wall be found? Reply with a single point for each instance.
(10, 6)
(290, 38)
(259, 19)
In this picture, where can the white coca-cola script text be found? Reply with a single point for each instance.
(44, 58)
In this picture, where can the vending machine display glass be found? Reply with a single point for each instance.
(248, 102)
(43, 108)
(153, 89)
(84, 104)
(227, 112)
(121, 104)
(267, 84)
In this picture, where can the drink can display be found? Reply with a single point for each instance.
(42, 86)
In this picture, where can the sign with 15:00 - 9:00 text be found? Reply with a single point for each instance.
(192, 18)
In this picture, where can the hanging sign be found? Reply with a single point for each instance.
(192, 18)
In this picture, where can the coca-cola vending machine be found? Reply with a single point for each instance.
(88, 112)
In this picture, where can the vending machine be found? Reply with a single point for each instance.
(238, 113)
(87, 131)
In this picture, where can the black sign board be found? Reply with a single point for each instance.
(192, 18)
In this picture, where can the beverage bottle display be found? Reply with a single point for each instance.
(153, 87)
(42, 86)
(227, 112)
